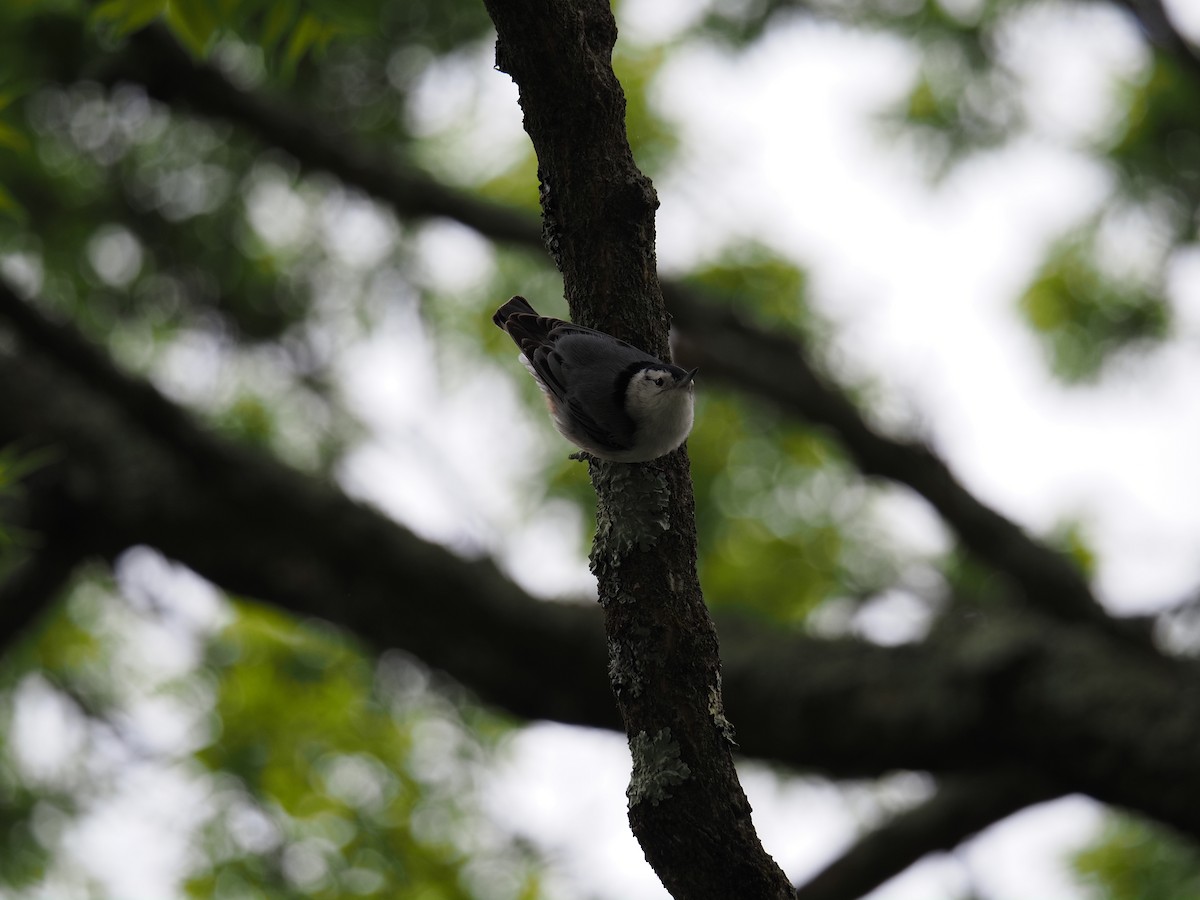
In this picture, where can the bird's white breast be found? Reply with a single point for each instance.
(665, 424)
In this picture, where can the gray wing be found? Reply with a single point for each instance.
(582, 369)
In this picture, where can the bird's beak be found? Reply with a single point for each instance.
(687, 379)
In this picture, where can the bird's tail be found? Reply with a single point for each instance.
(521, 322)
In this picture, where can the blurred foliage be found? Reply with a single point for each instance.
(974, 587)
(1084, 317)
(1071, 538)
(653, 141)
(764, 285)
(956, 114)
(68, 656)
(964, 99)
(1138, 860)
(783, 522)
(783, 525)
(16, 463)
(324, 772)
(241, 281)
(203, 258)
(1158, 150)
(354, 779)
(286, 30)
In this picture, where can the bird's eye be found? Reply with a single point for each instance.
(658, 381)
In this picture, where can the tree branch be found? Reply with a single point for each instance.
(155, 61)
(770, 366)
(138, 463)
(687, 808)
(777, 369)
(41, 546)
(990, 690)
(31, 585)
(963, 806)
(1160, 31)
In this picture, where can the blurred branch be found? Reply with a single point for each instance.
(32, 584)
(1011, 688)
(138, 463)
(64, 343)
(1151, 16)
(42, 543)
(962, 806)
(170, 75)
(760, 362)
(167, 73)
(1160, 31)
(776, 368)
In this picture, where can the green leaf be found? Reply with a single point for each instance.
(927, 107)
(1084, 317)
(278, 22)
(309, 33)
(129, 16)
(195, 22)
(250, 420)
(11, 136)
(1137, 860)
(13, 139)
(10, 207)
(761, 282)
(1158, 152)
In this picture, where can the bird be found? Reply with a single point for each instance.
(607, 397)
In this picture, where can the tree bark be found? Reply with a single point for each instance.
(686, 806)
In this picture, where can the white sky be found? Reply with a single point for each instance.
(921, 283)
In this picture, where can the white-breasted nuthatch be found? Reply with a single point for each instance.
(606, 396)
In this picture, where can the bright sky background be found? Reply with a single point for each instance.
(779, 146)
